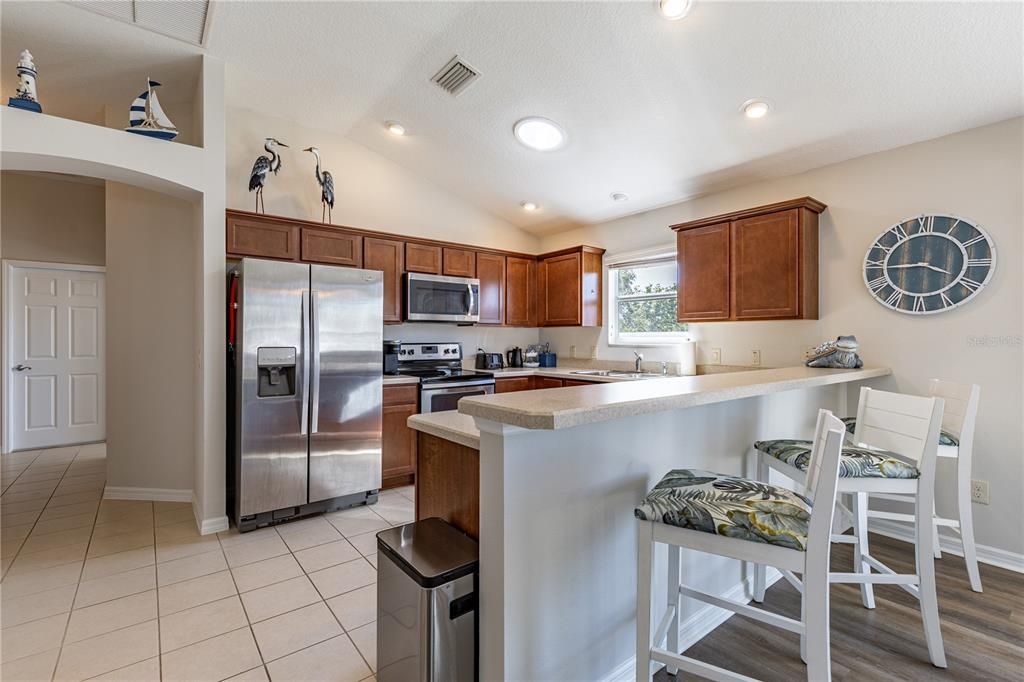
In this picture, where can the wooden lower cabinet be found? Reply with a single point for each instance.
(577, 382)
(448, 483)
(398, 441)
(547, 382)
(513, 384)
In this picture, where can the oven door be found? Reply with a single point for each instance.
(435, 298)
(442, 398)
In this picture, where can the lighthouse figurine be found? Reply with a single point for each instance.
(26, 97)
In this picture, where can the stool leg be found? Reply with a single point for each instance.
(815, 614)
(860, 529)
(937, 549)
(763, 474)
(645, 550)
(672, 639)
(965, 514)
(924, 531)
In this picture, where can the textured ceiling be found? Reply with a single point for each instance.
(651, 107)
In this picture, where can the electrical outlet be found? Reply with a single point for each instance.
(979, 492)
(755, 358)
(716, 356)
(572, 351)
(593, 352)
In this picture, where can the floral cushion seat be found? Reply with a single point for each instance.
(730, 506)
(855, 462)
(945, 437)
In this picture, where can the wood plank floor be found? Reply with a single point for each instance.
(983, 633)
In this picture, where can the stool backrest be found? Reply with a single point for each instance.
(907, 425)
(961, 407)
(822, 482)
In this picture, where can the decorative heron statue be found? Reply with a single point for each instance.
(264, 165)
(326, 187)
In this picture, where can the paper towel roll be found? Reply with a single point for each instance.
(687, 358)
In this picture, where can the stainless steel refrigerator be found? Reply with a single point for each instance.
(307, 384)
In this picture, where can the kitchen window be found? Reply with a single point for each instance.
(642, 301)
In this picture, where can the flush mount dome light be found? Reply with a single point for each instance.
(541, 134)
(619, 196)
(529, 206)
(395, 128)
(756, 108)
(673, 10)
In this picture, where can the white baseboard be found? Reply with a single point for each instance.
(209, 526)
(993, 556)
(148, 494)
(700, 624)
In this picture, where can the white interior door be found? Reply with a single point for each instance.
(56, 334)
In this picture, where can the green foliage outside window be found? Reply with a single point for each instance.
(640, 310)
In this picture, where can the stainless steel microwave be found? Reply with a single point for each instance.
(436, 298)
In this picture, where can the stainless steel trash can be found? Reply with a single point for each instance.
(426, 604)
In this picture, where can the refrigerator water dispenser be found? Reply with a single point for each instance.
(275, 368)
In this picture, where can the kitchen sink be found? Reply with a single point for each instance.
(621, 374)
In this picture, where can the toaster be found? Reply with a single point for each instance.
(489, 360)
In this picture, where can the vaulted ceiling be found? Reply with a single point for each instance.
(651, 107)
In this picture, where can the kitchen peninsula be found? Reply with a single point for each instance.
(559, 472)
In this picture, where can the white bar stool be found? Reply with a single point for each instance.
(749, 521)
(897, 438)
(956, 441)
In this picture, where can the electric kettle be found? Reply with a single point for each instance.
(514, 357)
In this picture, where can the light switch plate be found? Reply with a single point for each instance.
(716, 356)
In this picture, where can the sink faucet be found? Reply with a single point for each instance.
(639, 359)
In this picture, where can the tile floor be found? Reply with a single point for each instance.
(127, 590)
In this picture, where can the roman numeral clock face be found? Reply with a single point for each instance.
(929, 264)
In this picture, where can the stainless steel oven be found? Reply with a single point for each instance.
(436, 298)
(445, 395)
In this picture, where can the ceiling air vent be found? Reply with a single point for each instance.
(183, 19)
(455, 76)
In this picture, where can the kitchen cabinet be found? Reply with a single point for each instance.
(458, 262)
(261, 237)
(755, 264)
(387, 255)
(398, 441)
(422, 258)
(570, 287)
(490, 270)
(578, 382)
(512, 384)
(546, 382)
(332, 247)
(520, 292)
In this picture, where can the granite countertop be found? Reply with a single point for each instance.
(449, 425)
(393, 380)
(561, 408)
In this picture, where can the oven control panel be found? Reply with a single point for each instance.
(430, 351)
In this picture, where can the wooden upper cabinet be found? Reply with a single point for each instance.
(520, 292)
(387, 255)
(423, 258)
(458, 262)
(490, 270)
(702, 269)
(755, 264)
(262, 237)
(332, 247)
(570, 287)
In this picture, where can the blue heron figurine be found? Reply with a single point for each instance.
(326, 181)
(264, 165)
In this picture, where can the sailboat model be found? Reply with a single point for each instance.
(146, 117)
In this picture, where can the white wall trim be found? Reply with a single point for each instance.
(149, 494)
(208, 526)
(1011, 561)
(650, 253)
(701, 624)
(8, 266)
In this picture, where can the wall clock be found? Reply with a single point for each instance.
(929, 264)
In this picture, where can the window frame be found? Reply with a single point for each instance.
(638, 259)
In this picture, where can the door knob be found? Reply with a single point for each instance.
(21, 368)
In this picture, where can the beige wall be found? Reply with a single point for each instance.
(50, 218)
(976, 174)
(150, 339)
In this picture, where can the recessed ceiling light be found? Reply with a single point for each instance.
(756, 108)
(538, 133)
(674, 9)
(395, 128)
(619, 196)
(529, 206)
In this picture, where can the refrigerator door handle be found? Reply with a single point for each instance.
(315, 358)
(304, 419)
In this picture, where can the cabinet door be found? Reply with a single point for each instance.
(520, 292)
(423, 258)
(577, 382)
(766, 266)
(547, 382)
(398, 441)
(560, 290)
(458, 263)
(387, 255)
(490, 269)
(332, 247)
(513, 384)
(702, 260)
(262, 237)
